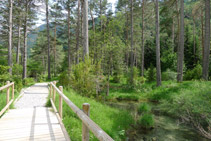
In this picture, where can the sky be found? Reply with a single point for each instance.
(41, 14)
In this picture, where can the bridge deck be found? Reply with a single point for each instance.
(37, 123)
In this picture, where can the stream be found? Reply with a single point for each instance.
(166, 128)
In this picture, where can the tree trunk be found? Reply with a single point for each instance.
(68, 25)
(142, 42)
(194, 41)
(173, 34)
(202, 33)
(54, 50)
(132, 53)
(93, 28)
(157, 24)
(180, 56)
(48, 38)
(205, 73)
(101, 25)
(10, 37)
(178, 26)
(25, 42)
(85, 29)
(78, 34)
(19, 42)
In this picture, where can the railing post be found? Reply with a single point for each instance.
(54, 92)
(85, 130)
(50, 90)
(60, 102)
(8, 94)
(13, 91)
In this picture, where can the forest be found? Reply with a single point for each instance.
(143, 65)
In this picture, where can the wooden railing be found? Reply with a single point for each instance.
(87, 123)
(8, 101)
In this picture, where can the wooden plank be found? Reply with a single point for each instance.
(30, 124)
(96, 130)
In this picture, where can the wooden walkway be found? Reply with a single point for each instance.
(31, 121)
(31, 124)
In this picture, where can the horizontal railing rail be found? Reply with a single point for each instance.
(88, 124)
(8, 101)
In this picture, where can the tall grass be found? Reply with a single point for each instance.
(112, 121)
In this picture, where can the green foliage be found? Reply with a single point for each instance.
(18, 82)
(4, 75)
(64, 79)
(146, 121)
(151, 74)
(194, 74)
(17, 70)
(169, 75)
(144, 108)
(85, 77)
(134, 79)
(28, 81)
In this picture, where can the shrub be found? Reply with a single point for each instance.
(146, 121)
(28, 81)
(85, 78)
(144, 108)
(195, 73)
(134, 79)
(64, 79)
(169, 75)
(151, 74)
(4, 75)
(18, 82)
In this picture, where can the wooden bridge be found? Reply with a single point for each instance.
(31, 120)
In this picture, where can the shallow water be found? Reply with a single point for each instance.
(166, 128)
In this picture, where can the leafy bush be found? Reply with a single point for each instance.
(40, 78)
(18, 82)
(85, 78)
(134, 79)
(4, 75)
(17, 70)
(144, 108)
(28, 81)
(146, 121)
(194, 74)
(169, 75)
(151, 74)
(64, 79)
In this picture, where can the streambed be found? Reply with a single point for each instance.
(166, 128)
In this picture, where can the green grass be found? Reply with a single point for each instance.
(112, 121)
(3, 97)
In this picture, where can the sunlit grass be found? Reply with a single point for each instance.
(112, 121)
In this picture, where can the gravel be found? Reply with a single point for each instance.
(34, 96)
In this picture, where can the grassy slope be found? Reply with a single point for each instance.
(111, 120)
(168, 90)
